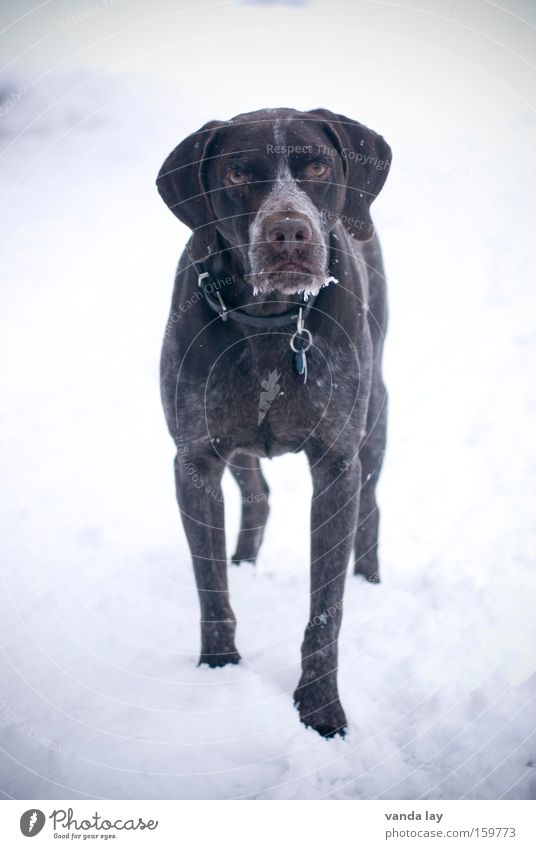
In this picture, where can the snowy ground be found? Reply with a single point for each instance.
(100, 693)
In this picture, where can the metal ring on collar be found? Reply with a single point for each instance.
(306, 333)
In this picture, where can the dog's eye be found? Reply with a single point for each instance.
(317, 170)
(236, 176)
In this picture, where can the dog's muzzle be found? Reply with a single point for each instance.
(288, 250)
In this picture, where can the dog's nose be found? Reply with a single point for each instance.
(284, 231)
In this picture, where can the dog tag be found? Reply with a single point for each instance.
(300, 364)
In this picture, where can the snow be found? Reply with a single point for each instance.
(101, 695)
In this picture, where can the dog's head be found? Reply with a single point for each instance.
(270, 185)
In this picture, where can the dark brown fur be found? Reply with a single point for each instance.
(279, 229)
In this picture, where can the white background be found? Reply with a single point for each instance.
(100, 693)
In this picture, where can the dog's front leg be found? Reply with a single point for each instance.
(198, 482)
(334, 511)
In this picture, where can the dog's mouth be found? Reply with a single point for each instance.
(289, 278)
(292, 266)
(289, 275)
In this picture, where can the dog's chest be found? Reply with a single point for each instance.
(254, 400)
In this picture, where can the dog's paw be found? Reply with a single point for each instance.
(239, 558)
(370, 578)
(215, 659)
(368, 568)
(325, 716)
(247, 546)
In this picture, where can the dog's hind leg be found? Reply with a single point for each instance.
(198, 482)
(371, 456)
(372, 448)
(254, 492)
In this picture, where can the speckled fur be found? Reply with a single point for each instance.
(211, 375)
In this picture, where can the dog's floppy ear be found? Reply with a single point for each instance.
(181, 185)
(366, 158)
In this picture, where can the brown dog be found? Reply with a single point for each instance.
(274, 344)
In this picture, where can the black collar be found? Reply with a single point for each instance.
(218, 305)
